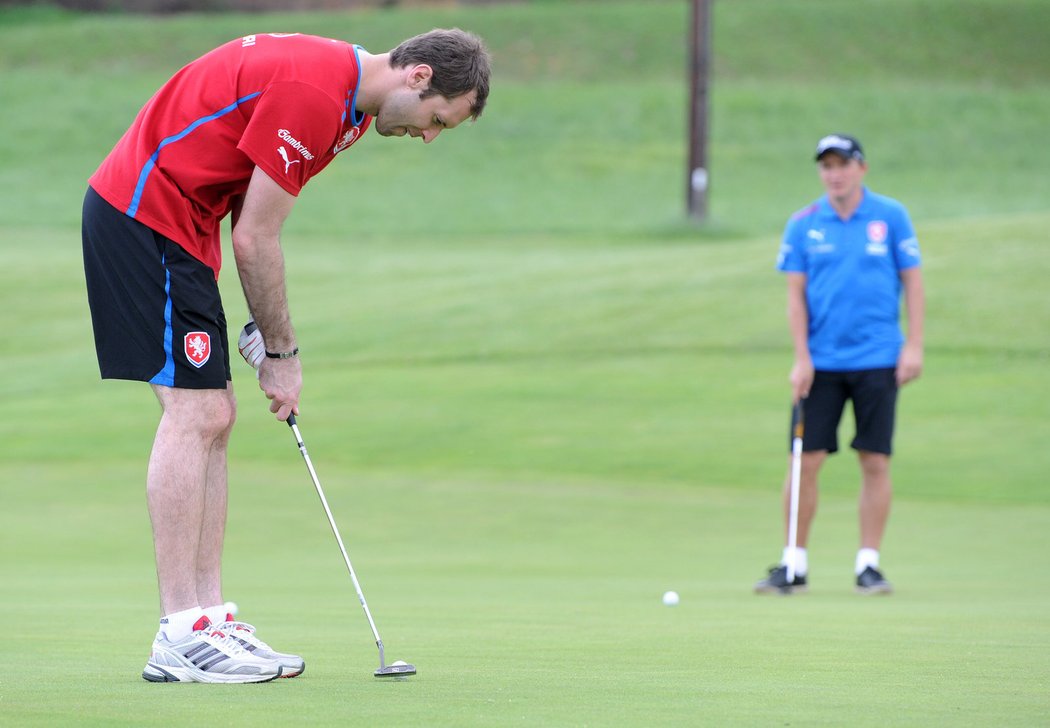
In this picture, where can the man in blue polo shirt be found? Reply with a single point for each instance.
(847, 257)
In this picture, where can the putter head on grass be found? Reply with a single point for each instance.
(397, 669)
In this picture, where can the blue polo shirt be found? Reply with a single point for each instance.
(853, 285)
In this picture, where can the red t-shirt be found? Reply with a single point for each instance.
(282, 102)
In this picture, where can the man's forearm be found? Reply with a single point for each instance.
(260, 216)
(260, 265)
(915, 303)
(798, 318)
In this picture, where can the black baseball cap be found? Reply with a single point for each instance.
(843, 145)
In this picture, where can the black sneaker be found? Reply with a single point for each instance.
(871, 581)
(777, 582)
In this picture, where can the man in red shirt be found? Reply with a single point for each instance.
(236, 132)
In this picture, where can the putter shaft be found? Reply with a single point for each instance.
(383, 670)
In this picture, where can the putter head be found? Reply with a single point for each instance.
(397, 669)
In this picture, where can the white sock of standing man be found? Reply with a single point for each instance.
(866, 558)
(801, 560)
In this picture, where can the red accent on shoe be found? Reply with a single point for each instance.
(202, 623)
(229, 617)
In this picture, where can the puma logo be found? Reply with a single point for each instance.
(287, 162)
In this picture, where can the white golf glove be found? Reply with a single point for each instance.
(251, 345)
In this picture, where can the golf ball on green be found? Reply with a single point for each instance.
(231, 607)
(670, 598)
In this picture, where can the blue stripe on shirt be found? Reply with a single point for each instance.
(133, 208)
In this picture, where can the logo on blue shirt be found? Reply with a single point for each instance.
(877, 232)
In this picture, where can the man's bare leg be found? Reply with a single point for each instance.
(186, 494)
(875, 496)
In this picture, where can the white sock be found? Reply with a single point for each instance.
(866, 558)
(177, 625)
(216, 615)
(801, 560)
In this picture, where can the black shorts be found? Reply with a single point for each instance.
(155, 309)
(874, 396)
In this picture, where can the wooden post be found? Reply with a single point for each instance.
(697, 173)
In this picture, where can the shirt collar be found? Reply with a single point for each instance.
(827, 211)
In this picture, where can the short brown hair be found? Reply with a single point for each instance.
(459, 60)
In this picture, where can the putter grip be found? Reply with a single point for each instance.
(798, 419)
(291, 420)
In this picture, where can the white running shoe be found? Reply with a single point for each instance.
(244, 633)
(207, 655)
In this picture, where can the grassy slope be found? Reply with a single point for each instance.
(534, 418)
(599, 100)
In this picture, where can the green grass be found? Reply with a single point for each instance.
(537, 398)
(599, 100)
